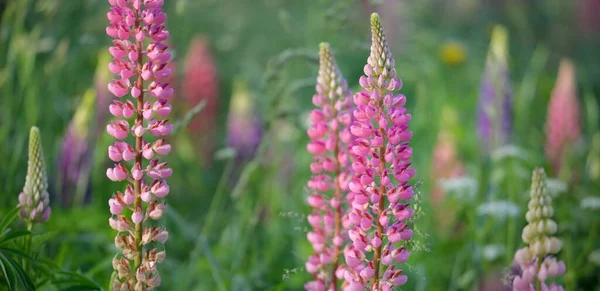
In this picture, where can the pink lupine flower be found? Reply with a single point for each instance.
(562, 123)
(200, 82)
(445, 164)
(330, 137)
(141, 61)
(381, 162)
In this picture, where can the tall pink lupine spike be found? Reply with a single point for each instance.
(141, 60)
(562, 124)
(201, 82)
(330, 137)
(381, 164)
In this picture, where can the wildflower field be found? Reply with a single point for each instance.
(300, 145)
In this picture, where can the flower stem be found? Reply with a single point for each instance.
(338, 209)
(377, 256)
(137, 185)
(28, 242)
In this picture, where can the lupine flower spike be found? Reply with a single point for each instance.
(140, 53)
(201, 82)
(535, 260)
(562, 124)
(75, 159)
(379, 189)
(330, 137)
(243, 126)
(34, 200)
(494, 108)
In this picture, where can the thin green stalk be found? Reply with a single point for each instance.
(512, 224)
(137, 185)
(28, 242)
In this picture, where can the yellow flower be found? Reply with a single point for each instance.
(453, 53)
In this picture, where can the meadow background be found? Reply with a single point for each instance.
(237, 210)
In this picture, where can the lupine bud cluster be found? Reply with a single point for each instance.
(494, 109)
(139, 53)
(562, 124)
(34, 200)
(535, 259)
(379, 190)
(330, 138)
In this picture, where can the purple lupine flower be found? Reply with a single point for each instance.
(330, 137)
(494, 108)
(139, 52)
(34, 200)
(379, 190)
(75, 157)
(244, 129)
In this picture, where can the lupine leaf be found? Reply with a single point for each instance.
(13, 235)
(6, 220)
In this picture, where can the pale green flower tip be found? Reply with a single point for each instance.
(324, 47)
(34, 135)
(499, 42)
(330, 81)
(375, 20)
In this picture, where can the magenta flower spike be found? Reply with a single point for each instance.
(379, 189)
(329, 143)
(140, 58)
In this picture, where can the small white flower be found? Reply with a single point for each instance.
(500, 209)
(509, 151)
(590, 202)
(492, 252)
(594, 257)
(555, 187)
(463, 188)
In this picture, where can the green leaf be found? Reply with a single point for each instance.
(15, 252)
(24, 278)
(67, 280)
(7, 272)
(6, 220)
(39, 239)
(13, 235)
(14, 274)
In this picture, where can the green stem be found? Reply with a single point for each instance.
(28, 242)
(512, 224)
(381, 206)
(139, 120)
(338, 210)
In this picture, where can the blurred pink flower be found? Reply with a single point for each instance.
(446, 164)
(562, 123)
(200, 82)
